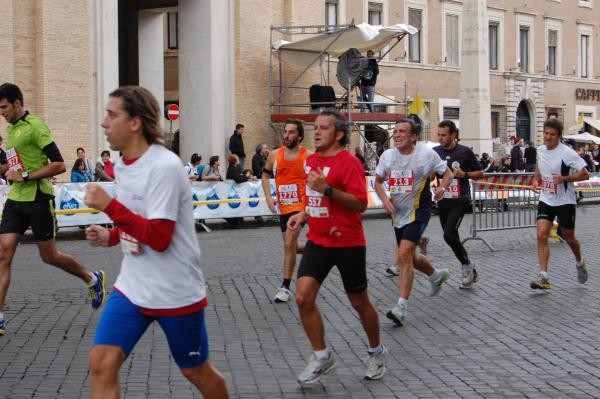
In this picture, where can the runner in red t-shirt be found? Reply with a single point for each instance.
(336, 195)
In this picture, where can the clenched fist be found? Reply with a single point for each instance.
(95, 197)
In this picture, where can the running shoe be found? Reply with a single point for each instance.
(392, 270)
(423, 245)
(282, 295)
(436, 285)
(540, 283)
(582, 273)
(97, 291)
(468, 276)
(2, 327)
(315, 368)
(397, 314)
(376, 367)
(475, 275)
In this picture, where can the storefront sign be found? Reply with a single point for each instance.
(587, 95)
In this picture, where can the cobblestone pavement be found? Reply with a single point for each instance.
(499, 340)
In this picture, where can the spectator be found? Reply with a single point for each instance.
(504, 165)
(105, 168)
(175, 142)
(530, 157)
(78, 172)
(236, 144)
(259, 159)
(368, 81)
(191, 168)
(516, 162)
(595, 157)
(89, 165)
(211, 171)
(359, 154)
(485, 160)
(233, 173)
(491, 166)
(586, 157)
(3, 163)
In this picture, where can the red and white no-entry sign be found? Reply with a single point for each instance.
(173, 112)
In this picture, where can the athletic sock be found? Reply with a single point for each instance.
(434, 276)
(544, 275)
(1, 316)
(322, 354)
(93, 281)
(376, 350)
(402, 301)
(286, 283)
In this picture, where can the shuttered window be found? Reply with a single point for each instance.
(524, 48)
(493, 45)
(452, 40)
(552, 45)
(414, 41)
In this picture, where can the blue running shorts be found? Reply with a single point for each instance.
(122, 324)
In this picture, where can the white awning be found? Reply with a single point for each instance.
(595, 123)
(583, 138)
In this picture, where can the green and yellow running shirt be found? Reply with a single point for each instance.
(24, 151)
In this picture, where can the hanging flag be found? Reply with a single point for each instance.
(418, 108)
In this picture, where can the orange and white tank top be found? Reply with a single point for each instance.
(290, 181)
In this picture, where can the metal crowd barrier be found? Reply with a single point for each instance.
(502, 201)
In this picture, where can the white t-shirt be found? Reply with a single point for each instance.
(407, 177)
(155, 187)
(190, 170)
(564, 161)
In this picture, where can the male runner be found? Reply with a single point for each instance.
(160, 278)
(33, 158)
(287, 164)
(558, 166)
(336, 195)
(408, 168)
(457, 199)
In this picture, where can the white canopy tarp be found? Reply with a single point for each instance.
(583, 138)
(362, 37)
(595, 123)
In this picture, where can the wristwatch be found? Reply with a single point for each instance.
(25, 176)
(328, 192)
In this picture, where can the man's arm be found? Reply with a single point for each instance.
(267, 174)
(318, 182)
(380, 190)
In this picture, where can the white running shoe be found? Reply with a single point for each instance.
(377, 364)
(467, 276)
(393, 270)
(582, 273)
(397, 314)
(282, 295)
(315, 368)
(436, 286)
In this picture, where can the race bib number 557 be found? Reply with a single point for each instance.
(317, 205)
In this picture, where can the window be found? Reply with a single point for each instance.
(414, 41)
(552, 45)
(331, 12)
(375, 14)
(172, 30)
(584, 61)
(452, 40)
(493, 45)
(524, 48)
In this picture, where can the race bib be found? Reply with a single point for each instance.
(401, 181)
(453, 190)
(14, 160)
(287, 194)
(549, 185)
(317, 205)
(130, 245)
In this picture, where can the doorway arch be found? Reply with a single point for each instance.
(523, 121)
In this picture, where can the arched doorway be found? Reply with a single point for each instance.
(523, 121)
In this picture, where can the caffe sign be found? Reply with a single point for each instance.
(587, 95)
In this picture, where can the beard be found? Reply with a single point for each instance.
(292, 144)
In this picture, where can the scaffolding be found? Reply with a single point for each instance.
(373, 128)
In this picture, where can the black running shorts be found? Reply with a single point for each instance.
(411, 232)
(18, 216)
(317, 261)
(565, 214)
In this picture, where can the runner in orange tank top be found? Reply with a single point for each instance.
(287, 166)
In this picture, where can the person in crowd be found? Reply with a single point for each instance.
(211, 171)
(485, 160)
(408, 168)
(517, 165)
(557, 169)
(105, 168)
(191, 168)
(586, 158)
(504, 166)
(88, 163)
(530, 157)
(491, 166)
(457, 197)
(336, 196)
(152, 214)
(259, 159)
(234, 173)
(358, 153)
(34, 158)
(595, 154)
(78, 173)
(368, 81)
(236, 144)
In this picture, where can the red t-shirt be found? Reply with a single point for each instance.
(330, 223)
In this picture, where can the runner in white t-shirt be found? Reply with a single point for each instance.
(160, 278)
(408, 168)
(558, 166)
